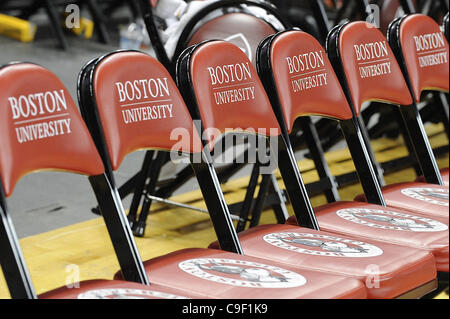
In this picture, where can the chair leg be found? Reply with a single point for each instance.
(248, 200)
(56, 23)
(155, 169)
(12, 261)
(422, 147)
(317, 153)
(99, 21)
(119, 230)
(295, 187)
(216, 204)
(139, 187)
(362, 161)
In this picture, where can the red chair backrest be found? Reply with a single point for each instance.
(40, 127)
(370, 67)
(305, 79)
(139, 107)
(425, 51)
(244, 30)
(228, 92)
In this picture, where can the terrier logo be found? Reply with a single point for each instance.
(391, 220)
(435, 196)
(322, 245)
(122, 293)
(241, 273)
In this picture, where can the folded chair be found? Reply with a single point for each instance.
(368, 70)
(41, 129)
(402, 271)
(283, 79)
(130, 102)
(422, 53)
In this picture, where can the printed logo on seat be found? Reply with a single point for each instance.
(391, 220)
(241, 273)
(322, 245)
(435, 196)
(121, 293)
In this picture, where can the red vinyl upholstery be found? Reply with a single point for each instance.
(168, 271)
(370, 67)
(140, 107)
(426, 52)
(295, 246)
(389, 225)
(40, 127)
(420, 198)
(115, 289)
(373, 74)
(229, 94)
(223, 275)
(305, 80)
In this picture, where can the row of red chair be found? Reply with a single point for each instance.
(356, 242)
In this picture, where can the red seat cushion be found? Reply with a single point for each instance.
(372, 222)
(398, 269)
(115, 289)
(421, 198)
(223, 275)
(444, 174)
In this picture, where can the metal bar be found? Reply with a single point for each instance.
(442, 104)
(361, 159)
(295, 187)
(12, 261)
(119, 230)
(376, 165)
(178, 204)
(56, 23)
(407, 6)
(422, 147)
(248, 200)
(153, 175)
(139, 187)
(217, 206)
(317, 153)
(281, 212)
(259, 205)
(321, 18)
(100, 26)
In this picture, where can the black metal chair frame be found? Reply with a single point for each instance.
(269, 193)
(12, 260)
(415, 133)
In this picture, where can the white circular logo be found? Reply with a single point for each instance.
(322, 245)
(391, 220)
(435, 196)
(123, 293)
(242, 273)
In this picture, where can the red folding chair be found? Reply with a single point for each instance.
(422, 53)
(199, 80)
(41, 129)
(111, 104)
(368, 71)
(283, 78)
